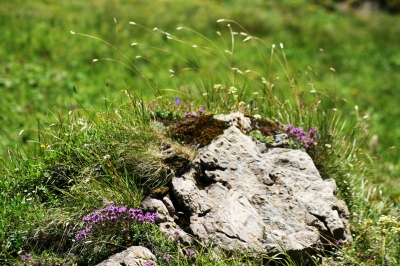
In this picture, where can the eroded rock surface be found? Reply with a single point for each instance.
(132, 256)
(242, 198)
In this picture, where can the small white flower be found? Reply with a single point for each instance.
(169, 37)
(334, 109)
(328, 146)
(257, 116)
(227, 51)
(72, 32)
(281, 44)
(95, 60)
(228, 25)
(205, 94)
(247, 71)
(219, 33)
(273, 46)
(133, 44)
(243, 33)
(138, 56)
(356, 107)
(217, 86)
(22, 131)
(132, 23)
(365, 116)
(115, 20)
(155, 29)
(171, 71)
(332, 69)
(220, 20)
(179, 28)
(194, 46)
(171, 76)
(239, 71)
(232, 90)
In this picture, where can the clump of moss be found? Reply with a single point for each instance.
(200, 130)
(266, 127)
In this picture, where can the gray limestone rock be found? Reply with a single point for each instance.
(236, 119)
(155, 205)
(245, 200)
(132, 256)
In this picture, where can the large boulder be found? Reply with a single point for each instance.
(244, 198)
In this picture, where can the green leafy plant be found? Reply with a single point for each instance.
(257, 134)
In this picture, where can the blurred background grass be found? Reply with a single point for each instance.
(41, 62)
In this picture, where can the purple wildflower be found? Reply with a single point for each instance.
(278, 123)
(387, 262)
(166, 257)
(288, 129)
(27, 257)
(190, 253)
(201, 111)
(187, 114)
(193, 114)
(149, 263)
(312, 132)
(177, 101)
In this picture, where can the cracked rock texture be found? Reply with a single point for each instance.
(132, 256)
(244, 198)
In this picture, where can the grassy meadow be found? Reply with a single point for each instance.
(82, 80)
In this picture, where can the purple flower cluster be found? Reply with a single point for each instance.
(113, 215)
(193, 114)
(305, 139)
(28, 257)
(187, 114)
(176, 236)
